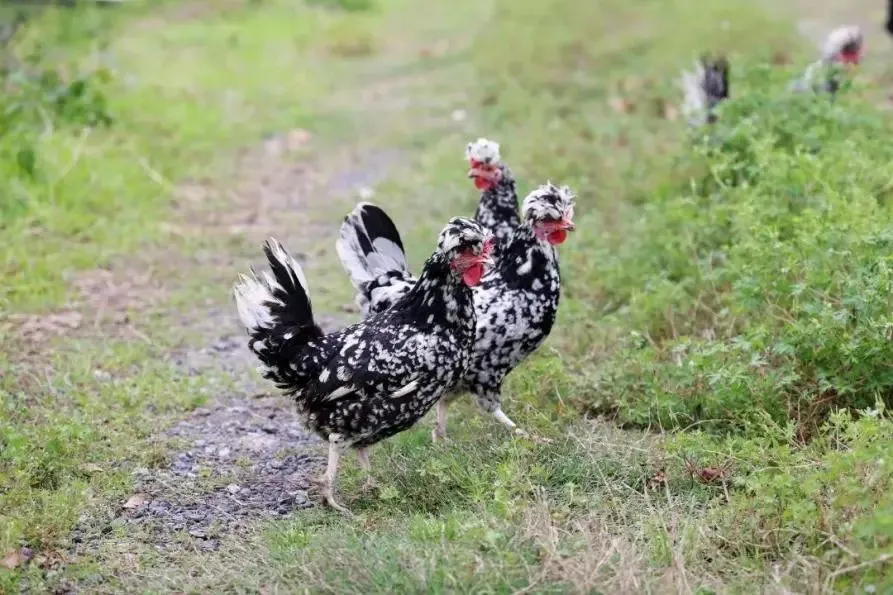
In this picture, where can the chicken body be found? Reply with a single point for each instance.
(369, 381)
(516, 305)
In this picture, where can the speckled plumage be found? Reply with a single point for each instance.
(373, 379)
(516, 302)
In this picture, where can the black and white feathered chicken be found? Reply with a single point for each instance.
(380, 272)
(498, 207)
(704, 88)
(889, 24)
(376, 378)
(516, 302)
(842, 48)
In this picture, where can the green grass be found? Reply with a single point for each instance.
(726, 303)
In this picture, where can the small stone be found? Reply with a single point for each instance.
(198, 533)
(459, 115)
(224, 452)
(270, 429)
(365, 193)
(233, 488)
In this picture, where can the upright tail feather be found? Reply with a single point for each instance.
(372, 253)
(369, 245)
(275, 309)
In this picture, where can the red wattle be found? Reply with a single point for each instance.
(481, 184)
(850, 57)
(558, 237)
(472, 275)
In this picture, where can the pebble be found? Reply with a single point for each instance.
(218, 436)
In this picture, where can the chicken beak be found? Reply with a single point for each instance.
(568, 225)
(487, 173)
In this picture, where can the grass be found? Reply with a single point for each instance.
(726, 306)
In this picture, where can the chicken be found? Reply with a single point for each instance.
(369, 381)
(705, 88)
(843, 47)
(498, 207)
(889, 24)
(380, 272)
(516, 302)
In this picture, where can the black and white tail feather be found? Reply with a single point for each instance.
(371, 251)
(276, 310)
(704, 88)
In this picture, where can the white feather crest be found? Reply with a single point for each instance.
(839, 38)
(483, 151)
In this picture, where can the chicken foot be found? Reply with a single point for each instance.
(491, 406)
(504, 419)
(326, 481)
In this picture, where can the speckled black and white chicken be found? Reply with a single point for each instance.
(516, 302)
(707, 86)
(842, 48)
(498, 207)
(704, 89)
(376, 378)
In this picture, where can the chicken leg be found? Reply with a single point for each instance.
(326, 482)
(439, 432)
(366, 465)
